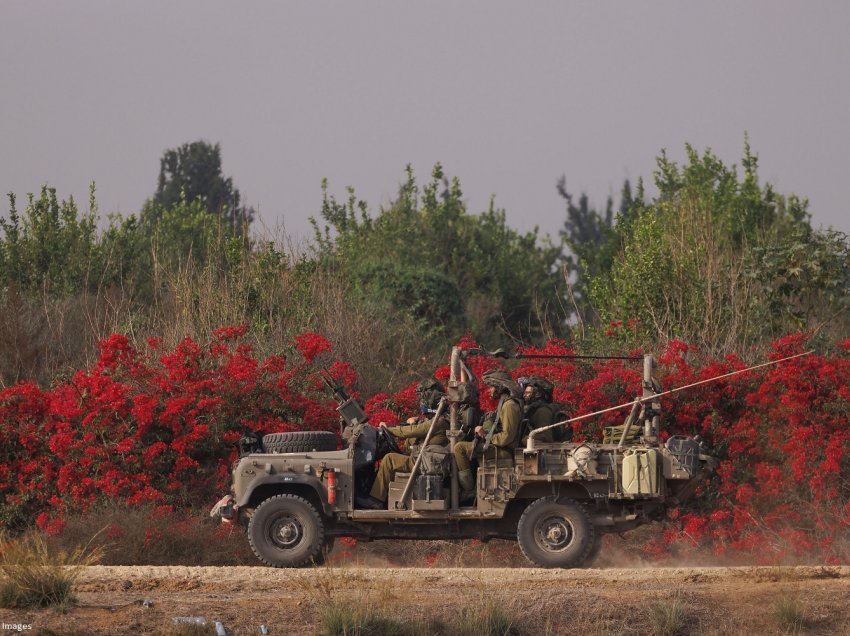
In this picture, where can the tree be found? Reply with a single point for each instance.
(447, 269)
(52, 246)
(593, 240)
(722, 262)
(193, 171)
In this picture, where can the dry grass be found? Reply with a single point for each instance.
(348, 604)
(46, 337)
(790, 614)
(133, 535)
(33, 576)
(667, 617)
(484, 618)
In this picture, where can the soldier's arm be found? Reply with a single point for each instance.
(411, 431)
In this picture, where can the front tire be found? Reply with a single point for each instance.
(285, 531)
(555, 533)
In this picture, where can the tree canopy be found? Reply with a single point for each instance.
(193, 172)
(450, 270)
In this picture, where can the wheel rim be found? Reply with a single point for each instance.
(285, 532)
(554, 534)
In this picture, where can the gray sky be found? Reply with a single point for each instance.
(508, 96)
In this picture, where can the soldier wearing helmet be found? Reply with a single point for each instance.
(507, 420)
(430, 392)
(537, 410)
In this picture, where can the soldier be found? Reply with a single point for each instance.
(507, 420)
(538, 410)
(430, 392)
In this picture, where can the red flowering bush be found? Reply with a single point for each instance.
(150, 427)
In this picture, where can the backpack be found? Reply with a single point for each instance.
(561, 433)
(436, 460)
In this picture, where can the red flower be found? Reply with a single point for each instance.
(311, 344)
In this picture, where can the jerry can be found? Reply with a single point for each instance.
(686, 452)
(640, 471)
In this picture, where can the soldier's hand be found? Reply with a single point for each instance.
(479, 431)
(411, 420)
(382, 425)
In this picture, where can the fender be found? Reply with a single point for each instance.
(285, 480)
(574, 490)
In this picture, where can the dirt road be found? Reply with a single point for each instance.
(709, 600)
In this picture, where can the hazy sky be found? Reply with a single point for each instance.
(508, 96)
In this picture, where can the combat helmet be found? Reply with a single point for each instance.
(501, 380)
(542, 387)
(429, 391)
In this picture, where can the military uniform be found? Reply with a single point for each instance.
(503, 442)
(393, 463)
(540, 414)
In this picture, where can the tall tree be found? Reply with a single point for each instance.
(194, 171)
(593, 239)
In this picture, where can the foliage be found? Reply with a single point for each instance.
(804, 280)
(449, 270)
(150, 427)
(722, 262)
(192, 173)
(716, 260)
(31, 576)
(51, 247)
(593, 241)
(184, 234)
(157, 427)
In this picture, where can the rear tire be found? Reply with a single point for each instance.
(285, 531)
(300, 442)
(555, 533)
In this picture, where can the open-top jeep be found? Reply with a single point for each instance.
(295, 493)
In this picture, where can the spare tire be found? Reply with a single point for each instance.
(300, 442)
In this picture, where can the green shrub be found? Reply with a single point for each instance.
(488, 619)
(362, 619)
(667, 617)
(789, 614)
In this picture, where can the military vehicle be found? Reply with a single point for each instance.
(296, 492)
